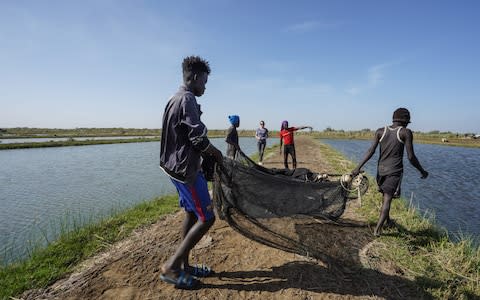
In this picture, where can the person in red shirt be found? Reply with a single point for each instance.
(286, 138)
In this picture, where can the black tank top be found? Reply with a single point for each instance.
(391, 152)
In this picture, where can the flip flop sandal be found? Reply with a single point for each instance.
(201, 270)
(184, 280)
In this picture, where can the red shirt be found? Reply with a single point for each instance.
(287, 135)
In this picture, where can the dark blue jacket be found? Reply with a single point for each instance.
(184, 137)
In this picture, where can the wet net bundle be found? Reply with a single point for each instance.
(279, 207)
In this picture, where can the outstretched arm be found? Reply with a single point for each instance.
(408, 139)
(370, 152)
(304, 127)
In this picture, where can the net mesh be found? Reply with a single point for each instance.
(277, 207)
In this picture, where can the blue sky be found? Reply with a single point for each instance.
(340, 64)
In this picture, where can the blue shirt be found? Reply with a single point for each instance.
(184, 137)
(262, 134)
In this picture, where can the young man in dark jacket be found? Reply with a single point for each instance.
(392, 139)
(183, 143)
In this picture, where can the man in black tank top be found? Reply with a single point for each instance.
(393, 140)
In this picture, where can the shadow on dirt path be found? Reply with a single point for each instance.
(314, 279)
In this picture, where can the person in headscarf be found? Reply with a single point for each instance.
(286, 138)
(232, 137)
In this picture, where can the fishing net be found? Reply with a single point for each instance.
(281, 207)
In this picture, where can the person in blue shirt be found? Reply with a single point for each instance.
(183, 143)
(261, 135)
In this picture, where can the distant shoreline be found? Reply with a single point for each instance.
(145, 135)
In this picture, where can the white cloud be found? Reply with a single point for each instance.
(308, 26)
(375, 76)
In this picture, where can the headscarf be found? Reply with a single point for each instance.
(234, 120)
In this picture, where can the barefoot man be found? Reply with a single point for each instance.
(392, 139)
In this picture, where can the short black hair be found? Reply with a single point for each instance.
(401, 115)
(194, 65)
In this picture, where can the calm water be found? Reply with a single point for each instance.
(452, 190)
(46, 189)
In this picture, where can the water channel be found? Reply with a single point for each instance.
(451, 193)
(46, 190)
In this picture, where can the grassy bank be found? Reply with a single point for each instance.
(447, 139)
(26, 132)
(73, 142)
(444, 269)
(46, 265)
(434, 137)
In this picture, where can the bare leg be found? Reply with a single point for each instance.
(384, 214)
(190, 220)
(196, 232)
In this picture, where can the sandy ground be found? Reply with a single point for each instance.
(244, 269)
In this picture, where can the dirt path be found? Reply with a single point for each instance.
(244, 269)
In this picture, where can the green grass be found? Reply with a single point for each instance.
(47, 264)
(443, 268)
(26, 132)
(73, 142)
(433, 137)
(419, 137)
